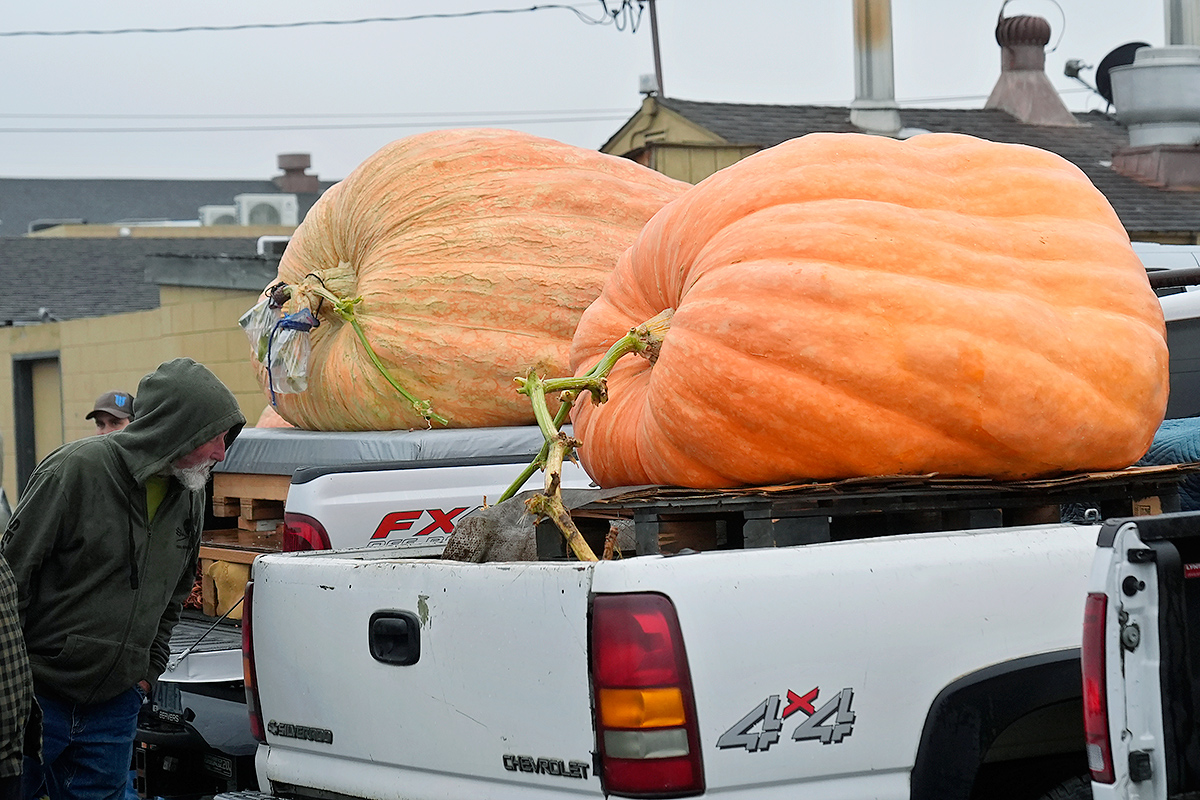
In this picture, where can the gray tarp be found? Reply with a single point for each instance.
(280, 451)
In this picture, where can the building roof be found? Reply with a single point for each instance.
(103, 200)
(1090, 146)
(74, 278)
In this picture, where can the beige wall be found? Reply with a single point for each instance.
(47, 393)
(663, 140)
(694, 163)
(103, 353)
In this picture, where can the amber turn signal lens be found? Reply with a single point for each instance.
(641, 708)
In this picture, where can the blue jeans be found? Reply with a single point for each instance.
(86, 749)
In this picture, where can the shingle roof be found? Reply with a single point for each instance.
(74, 278)
(101, 201)
(1089, 146)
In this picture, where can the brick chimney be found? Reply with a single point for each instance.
(1023, 89)
(295, 178)
(1158, 98)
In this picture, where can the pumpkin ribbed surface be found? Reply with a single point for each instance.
(851, 305)
(474, 252)
(269, 418)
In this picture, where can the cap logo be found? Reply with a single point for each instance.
(120, 400)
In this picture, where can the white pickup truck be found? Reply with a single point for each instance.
(886, 640)
(915, 641)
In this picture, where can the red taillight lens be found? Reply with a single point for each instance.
(301, 532)
(1095, 690)
(249, 675)
(649, 741)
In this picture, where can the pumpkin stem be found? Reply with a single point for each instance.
(644, 340)
(344, 308)
(610, 542)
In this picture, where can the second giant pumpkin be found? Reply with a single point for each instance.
(474, 252)
(850, 305)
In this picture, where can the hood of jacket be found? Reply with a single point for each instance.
(180, 406)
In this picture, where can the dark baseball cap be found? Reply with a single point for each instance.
(119, 404)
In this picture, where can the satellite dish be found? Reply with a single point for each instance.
(1117, 58)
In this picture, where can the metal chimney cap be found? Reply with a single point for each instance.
(1022, 29)
(287, 161)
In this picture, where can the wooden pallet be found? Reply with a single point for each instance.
(257, 502)
(669, 519)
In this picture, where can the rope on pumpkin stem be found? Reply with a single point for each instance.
(345, 308)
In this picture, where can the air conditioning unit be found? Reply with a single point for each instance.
(267, 209)
(272, 246)
(218, 215)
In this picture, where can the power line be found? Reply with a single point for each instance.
(308, 115)
(618, 18)
(360, 126)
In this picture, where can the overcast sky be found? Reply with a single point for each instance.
(340, 92)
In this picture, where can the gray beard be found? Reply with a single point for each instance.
(194, 478)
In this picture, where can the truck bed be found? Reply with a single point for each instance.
(204, 650)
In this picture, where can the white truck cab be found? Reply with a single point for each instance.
(404, 489)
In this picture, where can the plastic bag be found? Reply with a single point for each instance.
(258, 323)
(288, 353)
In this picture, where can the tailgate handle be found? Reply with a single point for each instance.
(395, 637)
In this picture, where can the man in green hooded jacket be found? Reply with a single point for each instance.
(103, 546)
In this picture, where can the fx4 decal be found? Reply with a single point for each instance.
(400, 521)
(830, 723)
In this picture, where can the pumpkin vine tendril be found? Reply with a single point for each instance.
(344, 308)
(644, 340)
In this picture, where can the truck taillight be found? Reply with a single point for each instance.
(302, 532)
(646, 728)
(249, 674)
(1095, 690)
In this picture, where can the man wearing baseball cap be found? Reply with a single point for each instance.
(112, 412)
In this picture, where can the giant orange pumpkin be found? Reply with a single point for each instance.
(474, 253)
(851, 305)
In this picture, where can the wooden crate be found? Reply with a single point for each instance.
(220, 536)
(267, 541)
(226, 553)
(257, 503)
(244, 485)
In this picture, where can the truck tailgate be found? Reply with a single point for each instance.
(815, 666)
(1148, 573)
(495, 703)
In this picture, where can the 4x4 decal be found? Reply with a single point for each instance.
(760, 729)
